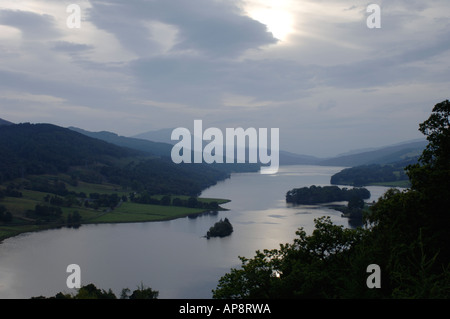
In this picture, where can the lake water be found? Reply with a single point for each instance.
(172, 257)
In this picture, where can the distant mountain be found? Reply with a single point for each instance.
(4, 122)
(162, 136)
(43, 149)
(370, 155)
(384, 155)
(150, 147)
(370, 149)
(161, 149)
(288, 158)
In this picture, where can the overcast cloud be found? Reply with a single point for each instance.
(311, 68)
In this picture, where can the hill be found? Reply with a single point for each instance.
(402, 152)
(147, 146)
(45, 148)
(383, 166)
(37, 149)
(4, 122)
(384, 155)
(162, 136)
(374, 174)
(288, 158)
(162, 149)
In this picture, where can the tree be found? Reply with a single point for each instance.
(90, 291)
(143, 292)
(431, 176)
(220, 229)
(437, 130)
(166, 200)
(314, 266)
(192, 202)
(74, 220)
(410, 228)
(5, 216)
(407, 235)
(355, 203)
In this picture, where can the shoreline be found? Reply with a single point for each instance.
(143, 218)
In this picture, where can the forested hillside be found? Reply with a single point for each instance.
(36, 149)
(389, 174)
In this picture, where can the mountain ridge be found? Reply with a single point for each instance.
(162, 147)
(371, 155)
(150, 147)
(46, 149)
(384, 155)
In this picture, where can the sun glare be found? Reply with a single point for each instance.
(274, 14)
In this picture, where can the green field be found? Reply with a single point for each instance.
(134, 212)
(125, 212)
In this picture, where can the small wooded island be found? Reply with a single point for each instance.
(314, 195)
(318, 195)
(222, 228)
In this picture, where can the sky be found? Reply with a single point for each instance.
(312, 68)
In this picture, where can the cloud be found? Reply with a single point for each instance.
(70, 47)
(154, 64)
(32, 25)
(216, 28)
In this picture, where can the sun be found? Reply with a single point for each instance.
(274, 14)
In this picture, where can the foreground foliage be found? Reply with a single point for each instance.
(406, 234)
(90, 291)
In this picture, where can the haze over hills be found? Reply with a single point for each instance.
(372, 155)
(161, 145)
(162, 135)
(161, 149)
(385, 155)
(144, 145)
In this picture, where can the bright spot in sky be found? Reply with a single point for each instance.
(274, 14)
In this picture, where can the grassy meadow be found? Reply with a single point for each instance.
(125, 212)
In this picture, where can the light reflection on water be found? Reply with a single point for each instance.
(171, 257)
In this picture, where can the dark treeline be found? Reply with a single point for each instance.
(406, 234)
(167, 200)
(10, 191)
(5, 216)
(326, 194)
(90, 291)
(375, 173)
